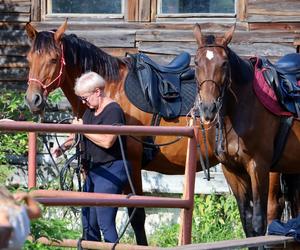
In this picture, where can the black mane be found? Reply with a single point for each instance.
(241, 69)
(82, 54)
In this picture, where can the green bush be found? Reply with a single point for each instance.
(215, 218)
(54, 229)
(12, 107)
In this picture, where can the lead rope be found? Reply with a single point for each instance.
(204, 165)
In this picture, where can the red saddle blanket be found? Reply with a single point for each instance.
(265, 93)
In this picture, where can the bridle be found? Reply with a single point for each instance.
(56, 83)
(219, 148)
(222, 88)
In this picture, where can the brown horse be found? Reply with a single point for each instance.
(226, 97)
(56, 60)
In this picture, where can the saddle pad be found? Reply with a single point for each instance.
(135, 94)
(266, 94)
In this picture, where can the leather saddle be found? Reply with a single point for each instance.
(161, 84)
(283, 77)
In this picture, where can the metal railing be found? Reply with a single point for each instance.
(63, 198)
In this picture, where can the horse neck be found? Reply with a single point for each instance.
(84, 56)
(68, 89)
(240, 96)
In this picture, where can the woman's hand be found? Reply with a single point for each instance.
(20, 196)
(58, 151)
(77, 121)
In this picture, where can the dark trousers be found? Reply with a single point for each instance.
(107, 178)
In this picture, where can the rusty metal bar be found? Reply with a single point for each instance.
(188, 194)
(101, 129)
(70, 198)
(32, 159)
(93, 245)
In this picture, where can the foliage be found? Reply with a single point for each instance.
(55, 96)
(53, 229)
(12, 107)
(216, 217)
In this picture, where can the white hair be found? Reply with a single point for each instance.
(88, 82)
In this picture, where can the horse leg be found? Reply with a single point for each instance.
(259, 175)
(240, 185)
(275, 206)
(139, 217)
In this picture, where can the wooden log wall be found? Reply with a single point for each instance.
(264, 28)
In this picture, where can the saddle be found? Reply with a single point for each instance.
(160, 85)
(284, 77)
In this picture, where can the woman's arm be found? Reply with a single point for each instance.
(104, 141)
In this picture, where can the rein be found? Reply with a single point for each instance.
(51, 86)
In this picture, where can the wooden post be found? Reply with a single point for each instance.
(297, 44)
(35, 10)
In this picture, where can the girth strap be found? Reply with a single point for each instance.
(281, 138)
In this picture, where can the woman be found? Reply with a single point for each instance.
(106, 172)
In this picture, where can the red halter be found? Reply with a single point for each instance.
(51, 86)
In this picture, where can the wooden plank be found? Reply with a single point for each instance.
(238, 37)
(13, 50)
(13, 61)
(269, 18)
(144, 10)
(293, 27)
(93, 25)
(242, 10)
(153, 10)
(23, 7)
(132, 10)
(13, 74)
(120, 52)
(14, 37)
(36, 10)
(233, 244)
(274, 7)
(14, 17)
(244, 50)
(113, 38)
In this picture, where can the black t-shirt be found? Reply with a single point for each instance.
(112, 114)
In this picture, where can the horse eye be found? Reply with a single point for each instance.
(225, 65)
(53, 61)
(196, 63)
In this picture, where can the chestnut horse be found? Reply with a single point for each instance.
(226, 96)
(56, 60)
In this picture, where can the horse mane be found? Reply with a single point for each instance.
(81, 53)
(244, 67)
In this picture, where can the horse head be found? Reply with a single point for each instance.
(212, 71)
(46, 65)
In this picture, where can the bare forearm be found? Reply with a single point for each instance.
(105, 141)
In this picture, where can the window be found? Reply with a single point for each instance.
(196, 6)
(99, 7)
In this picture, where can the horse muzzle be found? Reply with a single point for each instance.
(208, 111)
(35, 103)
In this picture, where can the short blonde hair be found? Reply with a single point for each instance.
(88, 82)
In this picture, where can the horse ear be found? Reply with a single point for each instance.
(198, 34)
(60, 31)
(31, 31)
(228, 35)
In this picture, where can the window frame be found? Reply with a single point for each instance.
(193, 15)
(98, 16)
